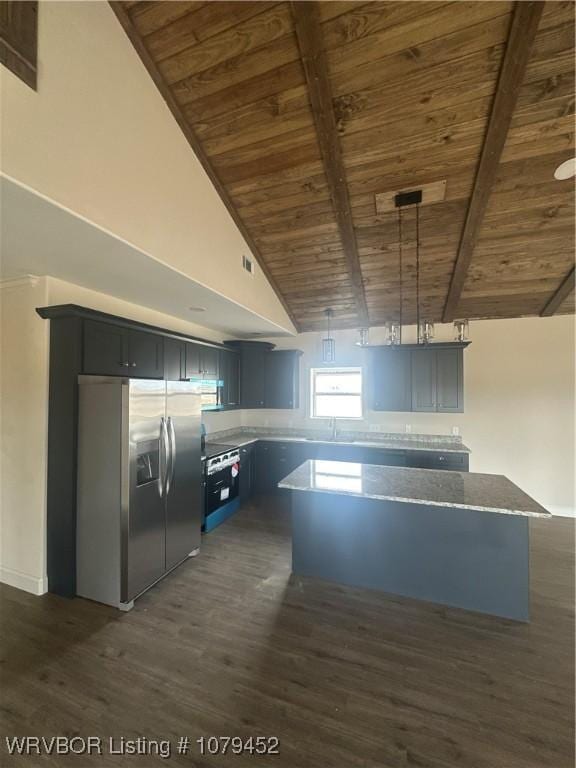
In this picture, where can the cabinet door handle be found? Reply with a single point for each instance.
(132, 365)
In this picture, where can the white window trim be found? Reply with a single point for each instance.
(338, 369)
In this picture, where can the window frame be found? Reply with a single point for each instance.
(344, 369)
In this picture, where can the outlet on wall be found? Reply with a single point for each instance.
(455, 430)
(374, 427)
(408, 428)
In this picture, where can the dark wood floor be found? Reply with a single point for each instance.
(230, 644)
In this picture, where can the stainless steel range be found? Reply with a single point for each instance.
(221, 473)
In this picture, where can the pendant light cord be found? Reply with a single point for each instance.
(400, 271)
(418, 273)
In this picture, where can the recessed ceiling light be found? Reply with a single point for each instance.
(197, 309)
(566, 170)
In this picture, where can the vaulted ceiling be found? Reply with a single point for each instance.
(302, 113)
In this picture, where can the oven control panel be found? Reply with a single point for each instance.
(223, 460)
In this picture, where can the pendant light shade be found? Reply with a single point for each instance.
(461, 330)
(328, 346)
(425, 332)
(364, 339)
(393, 331)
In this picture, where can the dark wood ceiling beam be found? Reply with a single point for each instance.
(307, 24)
(523, 28)
(140, 47)
(560, 294)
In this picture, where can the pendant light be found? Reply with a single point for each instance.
(363, 340)
(461, 330)
(328, 346)
(425, 328)
(395, 329)
(393, 333)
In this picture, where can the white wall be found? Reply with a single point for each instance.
(519, 401)
(98, 139)
(62, 292)
(24, 359)
(23, 434)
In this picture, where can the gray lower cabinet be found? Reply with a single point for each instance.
(273, 461)
(455, 462)
(269, 461)
(246, 477)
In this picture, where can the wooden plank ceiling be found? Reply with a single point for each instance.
(303, 112)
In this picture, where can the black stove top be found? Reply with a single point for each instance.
(215, 449)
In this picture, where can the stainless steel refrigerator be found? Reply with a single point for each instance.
(139, 508)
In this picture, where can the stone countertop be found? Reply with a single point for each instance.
(399, 444)
(462, 490)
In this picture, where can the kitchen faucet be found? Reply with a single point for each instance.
(334, 427)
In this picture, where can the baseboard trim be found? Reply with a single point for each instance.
(562, 511)
(32, 584)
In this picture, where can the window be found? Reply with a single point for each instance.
(336, 392)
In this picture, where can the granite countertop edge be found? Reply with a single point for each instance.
(240, 440)
(422, 502)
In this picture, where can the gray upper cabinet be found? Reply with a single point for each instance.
(174, 360)
(282, 379)
(389, 380)
(438, 380)
(105, 352)
(268, 378)
(201, 361)
(252, 377)
(424, 390)
(111, 350)
(450, 380)
(193, 370)
(425, 379)
(230, 376)
(209, 362)
(146, 354)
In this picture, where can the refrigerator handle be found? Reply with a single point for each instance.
(172, 433)
(164, 454)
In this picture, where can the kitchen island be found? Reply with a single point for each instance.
(456, 538)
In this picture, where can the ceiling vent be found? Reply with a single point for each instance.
(248, 265)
